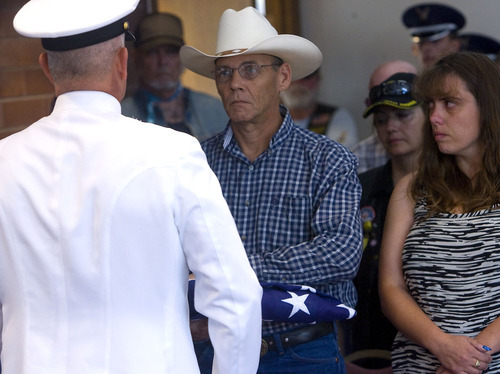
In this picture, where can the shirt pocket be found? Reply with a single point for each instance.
(288, 220)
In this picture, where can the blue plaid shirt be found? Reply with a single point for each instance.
(296, 208)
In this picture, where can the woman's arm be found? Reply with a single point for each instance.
(457, 353)
(397, 304)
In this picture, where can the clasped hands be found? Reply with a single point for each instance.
(461, 354)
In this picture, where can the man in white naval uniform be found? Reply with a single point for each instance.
(101, 216)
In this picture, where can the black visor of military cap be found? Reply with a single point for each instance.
(64, 25)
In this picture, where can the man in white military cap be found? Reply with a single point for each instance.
(102, 217)
(293, 193)
(433, 30)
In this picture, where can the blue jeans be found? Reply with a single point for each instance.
(320, 356)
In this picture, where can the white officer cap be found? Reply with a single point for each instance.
(70, 24)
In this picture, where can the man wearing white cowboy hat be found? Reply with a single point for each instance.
(102, 217)
(294, 194)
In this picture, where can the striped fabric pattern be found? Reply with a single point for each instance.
(451, 265)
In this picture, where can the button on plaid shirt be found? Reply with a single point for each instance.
(296, 208)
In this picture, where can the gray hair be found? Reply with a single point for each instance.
(92, 62)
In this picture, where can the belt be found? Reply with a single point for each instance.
(296, 337)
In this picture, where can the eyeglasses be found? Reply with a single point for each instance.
(247, 71)
(391, 88)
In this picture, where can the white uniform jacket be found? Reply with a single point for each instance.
(101, 216)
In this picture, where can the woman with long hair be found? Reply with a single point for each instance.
(440, 259)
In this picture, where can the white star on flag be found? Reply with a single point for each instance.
(298, 303)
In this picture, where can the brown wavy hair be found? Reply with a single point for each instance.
(438, 179)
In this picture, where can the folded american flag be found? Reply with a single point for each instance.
(291, 303)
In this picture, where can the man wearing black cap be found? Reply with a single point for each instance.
(434, 31)
(102, 217)
(161, 98)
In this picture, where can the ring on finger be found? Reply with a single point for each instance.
(477, 364)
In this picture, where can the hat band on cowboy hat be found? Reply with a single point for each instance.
(68, 24)
(249, 32)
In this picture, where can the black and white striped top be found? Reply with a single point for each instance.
(451, 265)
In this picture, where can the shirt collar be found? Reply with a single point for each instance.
(277, 139)
(89, 101)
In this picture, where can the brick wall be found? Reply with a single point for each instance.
(25, 92)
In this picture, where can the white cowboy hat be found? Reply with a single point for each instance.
(249, 32)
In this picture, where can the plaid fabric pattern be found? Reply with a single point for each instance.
(371, 153)
(296, 208)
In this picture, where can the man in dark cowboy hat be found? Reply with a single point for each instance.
(161, 98)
